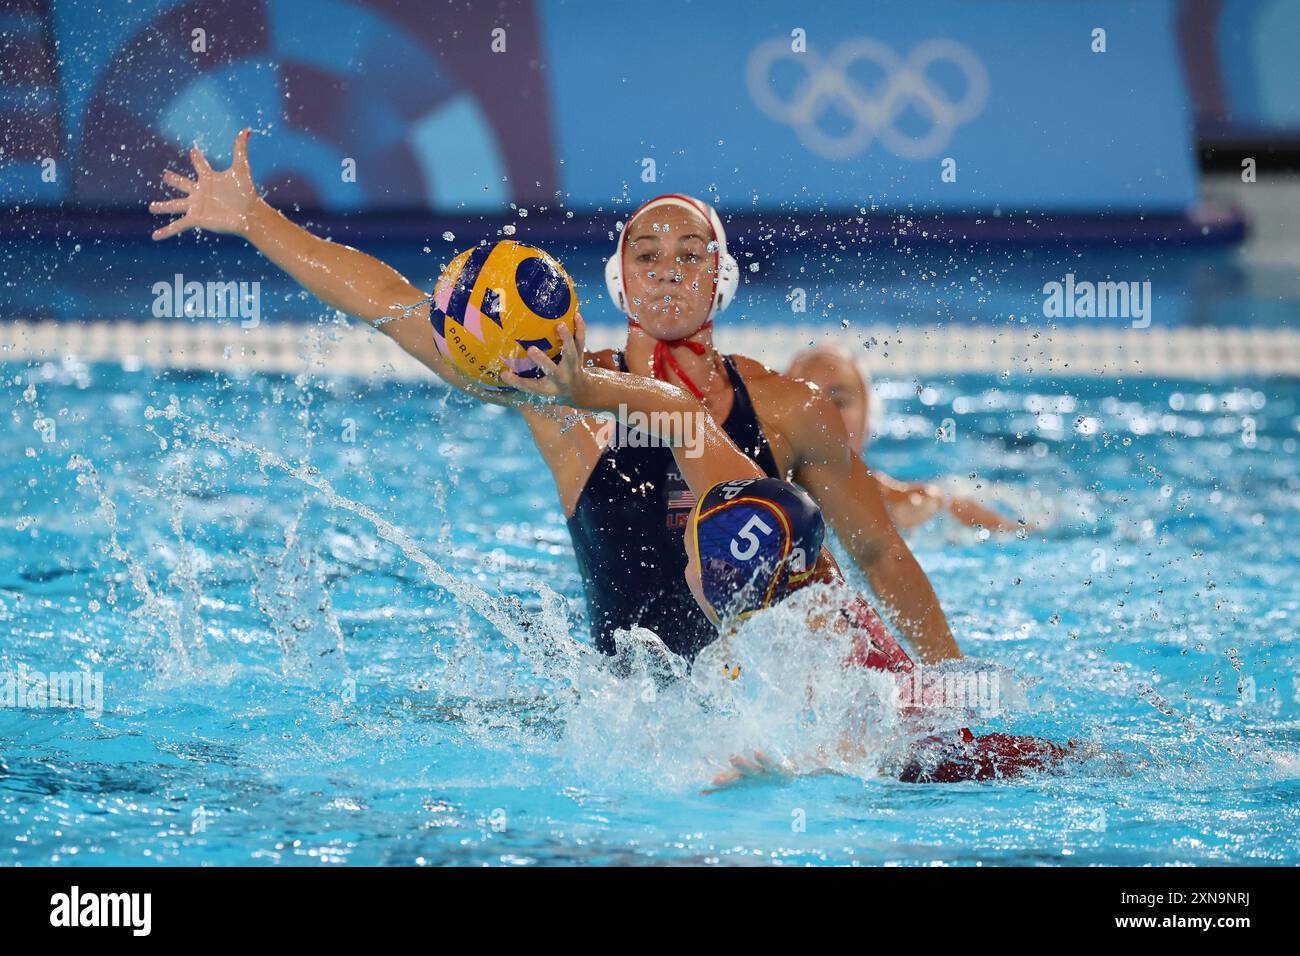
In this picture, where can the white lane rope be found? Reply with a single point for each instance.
(1196, 353)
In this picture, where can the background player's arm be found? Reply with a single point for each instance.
(340, 276)
(850, 499)
(974, 515)
(909, 503)
(913, 503)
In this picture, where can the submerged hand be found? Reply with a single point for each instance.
(752, 767)
(220, 202)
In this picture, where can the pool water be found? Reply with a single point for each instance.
(340, 622)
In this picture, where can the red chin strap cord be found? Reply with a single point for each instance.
(663, 356)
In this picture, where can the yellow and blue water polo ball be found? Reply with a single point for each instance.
(493, 302)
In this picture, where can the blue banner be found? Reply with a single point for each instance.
(449, 107)
(777, 105)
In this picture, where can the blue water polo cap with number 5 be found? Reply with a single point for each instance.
(756, 538)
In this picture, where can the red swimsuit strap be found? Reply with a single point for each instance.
(663, 356)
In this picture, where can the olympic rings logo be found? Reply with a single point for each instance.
(827, 86)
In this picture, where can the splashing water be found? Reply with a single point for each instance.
(270, 661)
(658, 719)
(647, 717)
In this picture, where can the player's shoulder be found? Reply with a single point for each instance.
(796, 409)
(772, 387)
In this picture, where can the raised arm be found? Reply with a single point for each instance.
(340, 276)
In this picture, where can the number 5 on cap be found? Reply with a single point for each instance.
(747, 533)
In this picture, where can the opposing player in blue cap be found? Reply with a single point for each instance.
(750, 542)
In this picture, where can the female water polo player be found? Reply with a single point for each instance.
(670, 274)
(910, 503)
(751, 541)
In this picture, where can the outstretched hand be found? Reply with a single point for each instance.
(562, 381)
(220, 202)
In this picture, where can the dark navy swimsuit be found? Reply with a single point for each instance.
(628, 534)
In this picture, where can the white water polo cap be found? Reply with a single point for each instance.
(725, 271)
